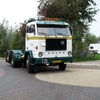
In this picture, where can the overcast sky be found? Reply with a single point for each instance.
(95, 26)
(16, 11)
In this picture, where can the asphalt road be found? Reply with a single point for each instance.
(77, 82)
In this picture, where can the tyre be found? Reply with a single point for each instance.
(19, 64)
(62, 66)
(24, 63)
(28, 62)
(13, 63)
(6, 57)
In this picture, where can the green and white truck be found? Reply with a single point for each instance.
(48, 42)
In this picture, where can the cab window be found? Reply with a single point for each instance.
(30, 29)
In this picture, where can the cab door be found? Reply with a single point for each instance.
(30, 37)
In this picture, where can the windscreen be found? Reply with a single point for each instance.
(54, 30)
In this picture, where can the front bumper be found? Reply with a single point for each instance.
(51, 61)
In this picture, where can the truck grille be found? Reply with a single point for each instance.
(55, 44)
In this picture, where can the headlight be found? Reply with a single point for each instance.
(69, 53)
(40, 54)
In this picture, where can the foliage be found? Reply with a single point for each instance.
(15, 41)
(3, 35)
(78, 13)
(22, 31)
(77, 45)
(11, 38)
(90, 38)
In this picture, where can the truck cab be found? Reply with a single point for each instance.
(48, 42)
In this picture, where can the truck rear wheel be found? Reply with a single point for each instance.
(29, 61)
(62, 66)
(13, 63)
(7, 57)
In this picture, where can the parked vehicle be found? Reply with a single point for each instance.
(94, 48)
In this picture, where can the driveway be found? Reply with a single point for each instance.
(77, 74)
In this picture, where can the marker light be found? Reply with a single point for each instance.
(36, 47)
(51, 19)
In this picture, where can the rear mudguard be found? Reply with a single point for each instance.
(17, 55)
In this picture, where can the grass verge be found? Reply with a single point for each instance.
(90, 58)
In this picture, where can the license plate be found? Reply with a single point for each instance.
(44, 61)
(57, 61)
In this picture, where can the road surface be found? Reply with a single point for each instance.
(78, 82)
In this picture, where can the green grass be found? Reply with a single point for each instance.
(89, 58)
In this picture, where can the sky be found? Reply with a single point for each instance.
(16, 11)
(95, 25)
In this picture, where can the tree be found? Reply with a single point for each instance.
(22, 31)
(90, 38)
(3, 35)
(17, 37)
(78, 13)
(11, 38)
